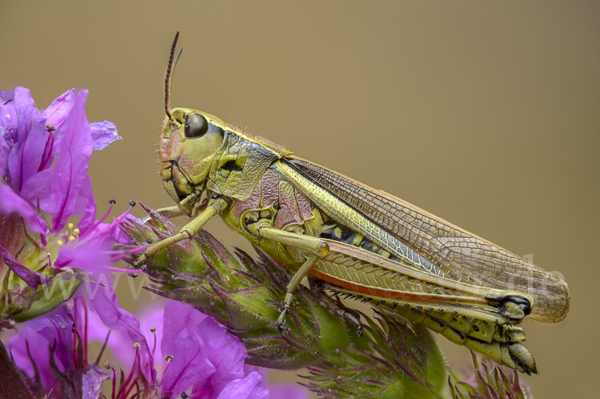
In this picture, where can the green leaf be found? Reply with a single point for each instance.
(61, 290)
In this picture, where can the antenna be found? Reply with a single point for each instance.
(170, 70)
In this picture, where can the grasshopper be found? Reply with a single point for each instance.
(360, 241)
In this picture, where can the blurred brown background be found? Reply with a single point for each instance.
(485, 113)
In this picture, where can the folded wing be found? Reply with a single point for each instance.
(460, 254)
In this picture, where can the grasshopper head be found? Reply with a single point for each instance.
(188, 144)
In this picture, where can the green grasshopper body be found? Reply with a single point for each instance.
(360, 240)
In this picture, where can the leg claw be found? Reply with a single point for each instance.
(282, 328)
(281, 320)
(140, 261)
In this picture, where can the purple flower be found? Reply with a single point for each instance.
(56, 345)
(44, 158)
(54, 329)
(202, 359)
(106, 306)
(205, 361)
(205, 357)
(33, 140)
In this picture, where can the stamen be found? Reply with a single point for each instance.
(36, 372)
(114, 381)
(77, 348)
(81, 351)
(116, 258)
(138, 249)
(117, 220)
(122, 253)
(134, 368)
(91, 227)
(106, 364)
(72, 238)
(153, 331)
(70, 226)
(131, 387)
(137, 389)
(76, 232)
(60, 243)
(169, 359)
(85, 331)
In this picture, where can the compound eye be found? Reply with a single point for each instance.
(195, 126)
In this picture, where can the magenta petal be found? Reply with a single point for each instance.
(11, 202)
(86, 197)
(251, 387)
(57, 328)
(103, 133)
(189, 367)
(27, 152)
(225, 353)
(204, 336)
(74, 152)
(37, 190)
(56, 114)
(119, 342)
(177, 317)
(113, 316)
